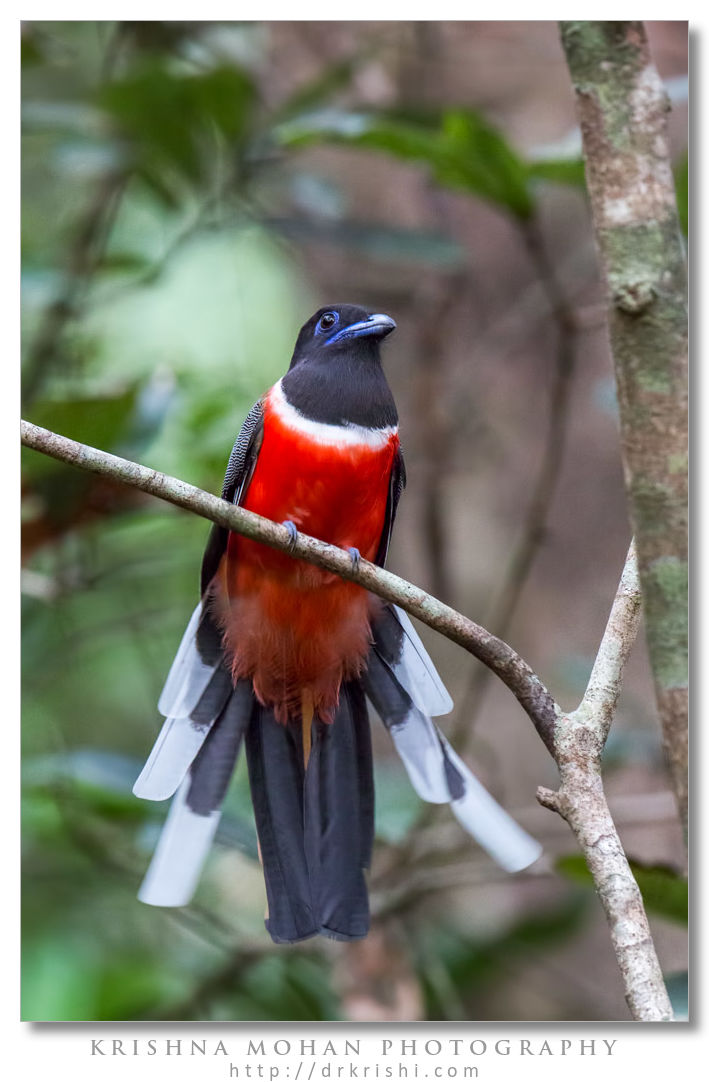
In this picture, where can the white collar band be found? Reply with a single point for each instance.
(345, 435)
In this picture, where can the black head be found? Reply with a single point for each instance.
(341, 328)
(335, 373)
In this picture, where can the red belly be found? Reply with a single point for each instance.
(291, 627)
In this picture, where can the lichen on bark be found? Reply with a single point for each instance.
(623, 113)
(669, 634)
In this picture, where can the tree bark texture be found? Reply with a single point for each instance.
(623, 109)
(578, 747)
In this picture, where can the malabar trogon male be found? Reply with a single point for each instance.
(284, 657)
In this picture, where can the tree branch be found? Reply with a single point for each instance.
(524, 684)
(601, 695)
(623, 108)
(581, 801)
(575, 741)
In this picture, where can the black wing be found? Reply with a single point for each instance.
(397, 483)
(236, 480)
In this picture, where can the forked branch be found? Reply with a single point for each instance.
(578, 745)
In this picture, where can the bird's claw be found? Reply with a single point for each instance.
(292, 533)
(355, 558)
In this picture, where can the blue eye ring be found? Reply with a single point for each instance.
(326, 323)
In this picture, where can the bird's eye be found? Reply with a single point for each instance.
(327, 321)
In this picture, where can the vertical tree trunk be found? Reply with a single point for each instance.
(623, 110)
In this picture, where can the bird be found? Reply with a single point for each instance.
(283, 657)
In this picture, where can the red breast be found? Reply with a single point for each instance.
(290, 626)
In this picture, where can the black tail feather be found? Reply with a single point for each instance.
(211, 771)
(274, 758)
(365, 769)
(315, 826)
(339, 823)
(213, 699)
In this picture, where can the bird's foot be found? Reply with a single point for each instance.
(355, 558)
(292, 532)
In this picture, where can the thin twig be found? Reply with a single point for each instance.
(601, 694)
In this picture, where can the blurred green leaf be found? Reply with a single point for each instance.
(109, 804)
(58, 980)
(94, 783)
(31, 52)
(167, 115)
(130, 986)
(483, 162)
(664, 891)
(289, 988)
(314, 92)
(462, 150)
(41, 818)
(681, 172)
(285, 986)
(559, 171)
(157, 185)
(100, 421)
(124, 263)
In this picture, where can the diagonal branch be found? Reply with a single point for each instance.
(598, 703)
(524, 684)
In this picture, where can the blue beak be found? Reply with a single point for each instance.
(376, 326)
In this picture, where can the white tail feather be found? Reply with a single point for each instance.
(416, 672)
(178, 860)
(431, 762)
(493, 829)
(420, 751)
(173, 753)
(188, 676)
